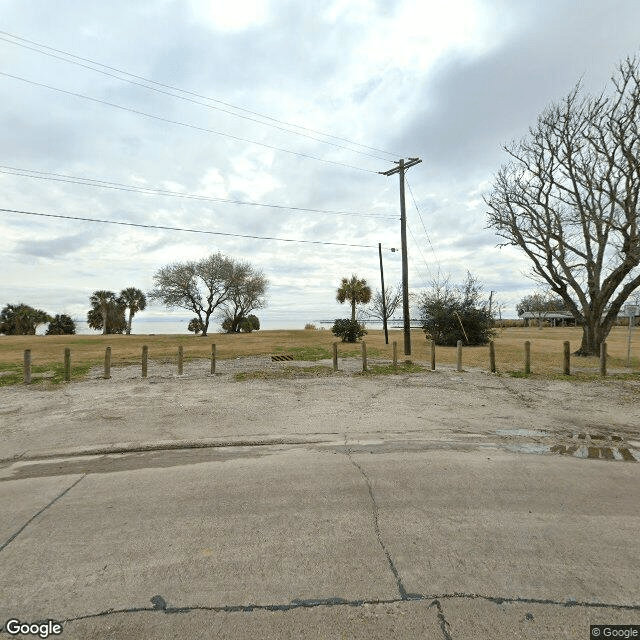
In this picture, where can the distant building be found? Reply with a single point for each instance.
(556, 318)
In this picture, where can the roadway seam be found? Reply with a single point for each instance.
(374, 506)
(161, 606)
(19, 531)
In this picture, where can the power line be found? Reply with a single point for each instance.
(91, 182)
(423, 259)
(182, 124)
(137, 78)
(214, 233)
(424, 227)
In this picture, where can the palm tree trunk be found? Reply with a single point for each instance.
(353, 308)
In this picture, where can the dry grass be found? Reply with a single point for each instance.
(546, 348)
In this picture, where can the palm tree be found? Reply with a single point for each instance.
(135, 301)
(354, 290)
(102, 300)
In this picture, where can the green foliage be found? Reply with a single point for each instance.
(21, 319)
(195, 325)
(347, 329)
(61, 325)
(356, 291)
(238, 324)
(452, 313)
(106, 306)
(134, 300)
(250, 323)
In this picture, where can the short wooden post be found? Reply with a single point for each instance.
(364, 355)
(27, 366)
(566, 366)
(107, 363)
(527, 357)
(492, 357)
(67, 365)
(213, 359)
(603, 359)
(459, 356)
(395, 354)
(145, 360)
(335, 356)
(180, 358)
(433, 355)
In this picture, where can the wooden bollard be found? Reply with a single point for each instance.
(213, 359)
(180, 358)
(145, 359)
(27, 366)
(492, 357)
(459, 355)
(603, 359)
(364, 355)
(107, 363)
(335, 356)
(527, 358)
(67, 365)
(395, 354)
(566, 366)
(433, 355)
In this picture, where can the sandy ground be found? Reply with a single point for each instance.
(445, 409)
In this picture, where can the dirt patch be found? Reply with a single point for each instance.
(442, 408)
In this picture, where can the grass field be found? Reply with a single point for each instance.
(87, 351)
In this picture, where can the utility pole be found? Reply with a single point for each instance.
(400, 169)
(384, 299)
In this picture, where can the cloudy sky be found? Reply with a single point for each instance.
(278, 102)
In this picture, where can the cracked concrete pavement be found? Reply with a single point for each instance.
(416, 506)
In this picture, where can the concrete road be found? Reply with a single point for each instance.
(442, 505)
(387, 538)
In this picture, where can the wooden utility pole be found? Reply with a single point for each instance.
(384, 299)
(400, 169)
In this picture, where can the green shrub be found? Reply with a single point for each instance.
(61, 325)
(195, 325)
(452, 313)
(347, 329)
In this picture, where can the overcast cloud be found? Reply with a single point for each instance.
(449, 84)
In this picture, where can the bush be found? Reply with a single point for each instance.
(347, 329)
(310, 327)
(249, 324)
(456, 313)
(196, 326)
(61, 325)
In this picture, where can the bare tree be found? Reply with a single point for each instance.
(247, 294)
(393, 298)
(200, 286)
(569, 199)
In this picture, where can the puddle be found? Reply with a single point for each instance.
(521, 432)
(588, 446)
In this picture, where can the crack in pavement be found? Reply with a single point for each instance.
(444, 625)
(160, 606)
(4, 545)
(374, 505)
